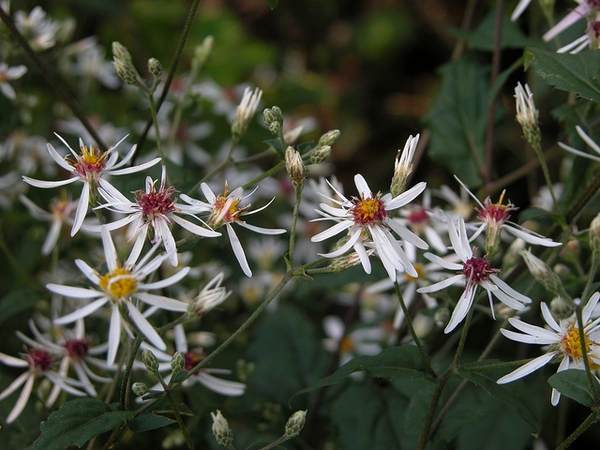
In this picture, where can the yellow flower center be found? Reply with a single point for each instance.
(368, 211)
(119, 283)
(571, 344)
(420, 273)
(220, 215)
(91, 163)
(347, 345)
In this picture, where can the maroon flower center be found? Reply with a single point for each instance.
(156, 202)
(594, 3)
(477, 270)
(40, 359)
(594, 29)
(77, 348)
(91, 163)
(368, 211)
(418, 216)
(192, 359)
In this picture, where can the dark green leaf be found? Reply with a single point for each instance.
(392, 363)
(483, 37)
(273, 3)
(575, 384)
(147, 422)
(367, 417)
(458, 120)
(259, 445)
(513, 394)
(77, 422)
(577, 73)
(15, 302)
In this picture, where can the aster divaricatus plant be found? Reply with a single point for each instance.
(121, 286)
(563, 341)
(472, 272)
(92, 167)
(224, 210)
(368, 222)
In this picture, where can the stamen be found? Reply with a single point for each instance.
(119, 283)
(40, 360)
(477, 270)
(368, 211)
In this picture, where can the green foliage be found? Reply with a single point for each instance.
(575, 384)
(77, 422)
(458, 119)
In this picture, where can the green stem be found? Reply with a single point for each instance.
(588, 422)
(286, 278)
(412, 331)
(218, 167)
(298, 191)
(583, 341)
(437, 393)
(272, 171)
(540, 154)
(279, 440)
(174, 63)
(127, 374)
(176, 412)
(153, 113)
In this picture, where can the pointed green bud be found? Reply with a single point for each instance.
(273, 119)
(125, 73)
(543, 274)
(177, 362)
(155, 67)
(295, 423)
(202, 53)
(139, 388)
(150, 362)
(221, 429)
(594, 236)
(294, 166)
(320, 154)
(122, 54)
(328, 138)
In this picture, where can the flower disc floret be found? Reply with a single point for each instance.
(477, 270)
(91, 163)
(156, 202)
(77, 349)
(192, 359)
(119, 283)
(40, 360)
(570, 343)
(225, 210)
(369, 211)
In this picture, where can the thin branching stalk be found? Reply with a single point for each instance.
(588, 422)
(176, 412)
(298, 199)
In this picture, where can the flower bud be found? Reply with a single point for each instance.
(155, 67)
(570, 251)
(125, 73)
(543, 274)
(594, 236)
(295, 424)
(560, 308)
(245, 111)
(328, 138)
(346, 262)
(177, 362)
(202, 53)
(273, 119)
(320, 154)
(139, 388)
(221, 429)
(527, 114)
(294, 166)
(212, 295)
(150, 362)
(122, 54)
(403, 166)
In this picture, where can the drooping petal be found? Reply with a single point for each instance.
(81, 312)
(23, 397)
(527, 368)
(162, 302)
(238, 250)
(145, 327)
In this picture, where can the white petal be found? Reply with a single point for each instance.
(114, 335)
(145, 328)
(238, 250)
(12, 361)
(16, 384)
(48, 184)
(530, 237)
(527, 368)
(165, 282)
(260, 230)
(441, 284)
(443, 262)
(81, 312)
(220, 386)
(133, 169)
(162, 302)
(364, 191)
(72, 291)
(510, 291)
(330, 232)
(193, 228)
(82, 208)
(22, 400)
(549, 318)
(461, 309)
(90, 273)
(406, 197)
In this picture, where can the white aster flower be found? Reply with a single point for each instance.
(224, 209)
(121, 286)
(153, 209)
(211, 296)
(192, 358)
(91, 167)
(473, 272)
(61, 212)
(493, 218)
(562, 339)
(588, 10)
(39, 363)
(367, 221)
(74, 349)
(7, 74)
(39, 30)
